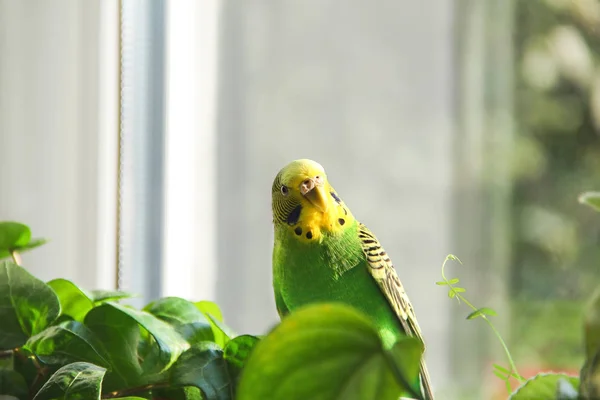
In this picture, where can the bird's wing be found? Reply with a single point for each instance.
(382, 270)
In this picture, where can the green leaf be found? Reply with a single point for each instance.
(406, 358)
(15, 236)
(73, 301)
(481, 311)
(185, 393)
(451, 294)
(459, 290)
(237, 351)
(121, 329)
(184, 316)
(131, 398)
(501, 375)
(12, 235)
(592, 199)
(204, 367)
(78, 380)
(321, 351)
(102, 296)
(502, 369)
(208, 307)
(27, 305)
(33, 243)
(67, 342)
(542, 386)
(454, 281)
(13, 384)
(213, 313)
(441, 283)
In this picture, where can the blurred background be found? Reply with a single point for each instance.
(142, 138)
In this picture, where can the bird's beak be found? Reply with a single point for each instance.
(313, 189)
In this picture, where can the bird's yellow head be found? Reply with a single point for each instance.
(305, 204)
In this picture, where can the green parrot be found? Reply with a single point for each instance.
(322, 254)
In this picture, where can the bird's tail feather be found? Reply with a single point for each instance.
(426, 381)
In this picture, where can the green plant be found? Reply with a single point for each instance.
(454, 292)
(548, 385)
(59, 341)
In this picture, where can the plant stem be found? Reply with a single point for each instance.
(6, 354)
(468, 303)
(133, 390)
(16, 257)
(510, 359)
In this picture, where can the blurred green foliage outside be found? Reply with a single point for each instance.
(556, 251)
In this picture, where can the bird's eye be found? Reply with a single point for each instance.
(284, 190)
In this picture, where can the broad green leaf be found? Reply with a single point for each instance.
(213, 313)
(184, 316)
(451, 294)
(321, 351)
(73, 301)
(542, 386)
(102, 296)
(459, 290)
(15, 236)
(237, 351)
(592, 199)
(208, 307)
(67, 342)
(78, 380)
(441, 283)
(453, 281)
(481, 311)
(33, 243)
(405, 356)
(204, 367)
(13, 384)
(119, 335)
(185, 393)
(121, 328)
(131, 398)
(12, 236)
(220, 330)
(27, 305)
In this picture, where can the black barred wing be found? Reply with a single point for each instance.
(382, 270)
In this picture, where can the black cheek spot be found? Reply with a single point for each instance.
(294, 216)
(309, 235)
(298, 231)
(342, 221)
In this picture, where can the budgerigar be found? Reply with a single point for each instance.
(322, 254)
